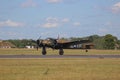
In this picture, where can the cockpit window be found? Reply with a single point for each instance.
(49, 39)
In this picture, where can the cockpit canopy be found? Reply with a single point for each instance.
(50, 39)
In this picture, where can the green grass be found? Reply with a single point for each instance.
(18, 51)
(55, 52)
(59, 69)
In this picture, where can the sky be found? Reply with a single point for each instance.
(30, 19)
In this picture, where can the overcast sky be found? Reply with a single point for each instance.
(30, 19)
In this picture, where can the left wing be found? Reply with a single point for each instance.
(73, 44)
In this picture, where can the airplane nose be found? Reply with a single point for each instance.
(38, 42)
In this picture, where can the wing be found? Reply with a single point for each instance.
(74, 44)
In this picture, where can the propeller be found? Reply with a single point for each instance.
(39, 41)
(37, 44)
(54, 43)
(58, 37)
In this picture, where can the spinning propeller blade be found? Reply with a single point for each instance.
(38, 42)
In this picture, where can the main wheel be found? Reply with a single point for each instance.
(44, 51)
(61, 52)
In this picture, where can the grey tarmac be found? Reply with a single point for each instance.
(59, 56)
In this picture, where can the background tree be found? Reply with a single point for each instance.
(101, 42)
(23, 43)
(109, 41)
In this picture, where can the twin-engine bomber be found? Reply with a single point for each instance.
(60, 45)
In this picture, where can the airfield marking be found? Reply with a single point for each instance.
(59, 56)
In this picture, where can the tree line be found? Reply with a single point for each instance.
(22, 43)
(105, 42)
(101, 42)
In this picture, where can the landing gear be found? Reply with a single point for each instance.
(61, 52)
(44, 51)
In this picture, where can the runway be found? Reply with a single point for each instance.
(58, 56)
